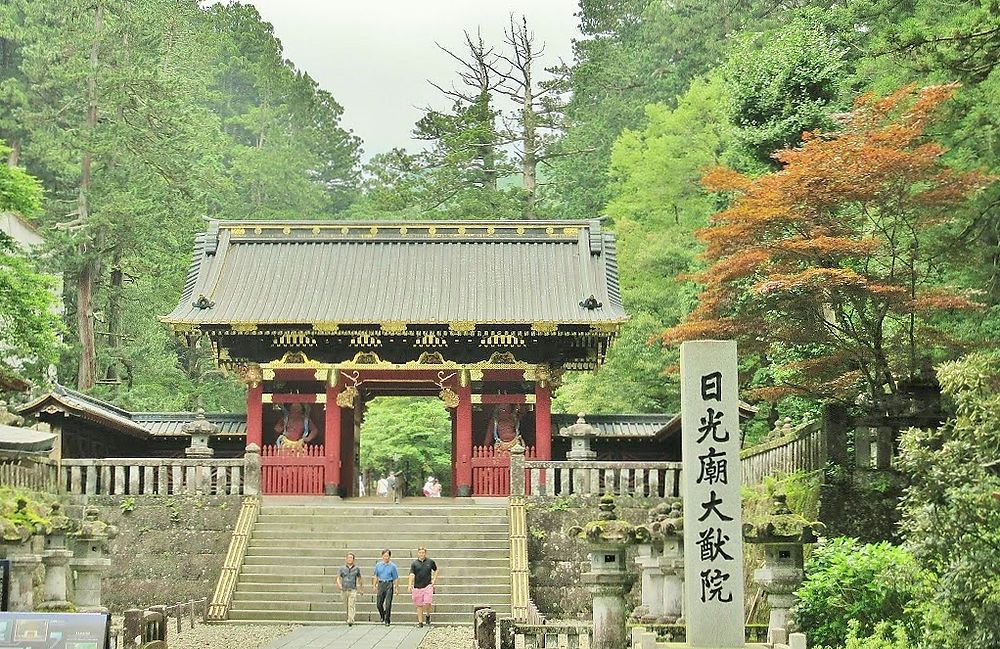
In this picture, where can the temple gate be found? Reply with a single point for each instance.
(319, 318)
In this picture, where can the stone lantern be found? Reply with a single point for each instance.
(783, 535)
(56, 557)
(669, 528)
(15, 545)
(608, 578)
(580, 434)
(91, 542)
(201, 430)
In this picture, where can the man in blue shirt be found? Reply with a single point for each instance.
(386, 583)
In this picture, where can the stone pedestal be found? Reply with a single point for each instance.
(56, 557)
(651, 609)
(608, 591)
(16, 545)
(90, 562)
(22, 572)
(671, 564)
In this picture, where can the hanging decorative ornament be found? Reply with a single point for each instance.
(347, 396)
(449, 398)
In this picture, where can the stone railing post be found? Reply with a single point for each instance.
(517, 470)
(485, 628)
(56, 557)
(251, 471)
(132, 628)
(91, 561)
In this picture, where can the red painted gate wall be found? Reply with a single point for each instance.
(292, 473)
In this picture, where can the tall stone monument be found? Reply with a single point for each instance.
(713, 534)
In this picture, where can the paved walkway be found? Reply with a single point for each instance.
(359, 636)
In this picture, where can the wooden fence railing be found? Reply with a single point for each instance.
(35, 474)
(588, 478)
(151, 476)
(491, 470)
(222, 599)
(148, 628)
(791, 449)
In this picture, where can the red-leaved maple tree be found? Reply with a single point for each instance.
(834, 263)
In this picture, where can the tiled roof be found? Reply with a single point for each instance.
(504, 272)
(170, 423)
(138, 424)
(633, 425)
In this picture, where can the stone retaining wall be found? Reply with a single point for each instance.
(557, 561)
(169, 548)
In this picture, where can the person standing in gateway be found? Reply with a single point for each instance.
(386, 583)
(423, 575)
(349, 583)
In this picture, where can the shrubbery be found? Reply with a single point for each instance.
(865, 583)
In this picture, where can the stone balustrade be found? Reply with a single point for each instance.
(155, 476)
(594, 478)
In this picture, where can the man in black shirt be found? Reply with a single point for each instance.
(423, 575)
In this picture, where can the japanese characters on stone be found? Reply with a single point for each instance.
(713, 542)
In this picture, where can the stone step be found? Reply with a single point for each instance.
(346, 541)
(297, 547)
(296, 569)
(459, 615)
(290, 573)
(285, 601)
(257, 579)
(366, 603)
(323, 583)
(389, 512)
(337, 552)
(320, 532)
(378, 524)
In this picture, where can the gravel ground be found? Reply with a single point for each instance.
(227, 636)
(445, 637)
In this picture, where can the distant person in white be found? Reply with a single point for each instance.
(382, 488)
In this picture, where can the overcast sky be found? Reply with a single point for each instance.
(376, 56)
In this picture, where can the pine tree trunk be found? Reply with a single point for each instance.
(529, 161)
(115, 317)
(90, 270)
(15, 153)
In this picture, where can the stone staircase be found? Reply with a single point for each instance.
(290, 571)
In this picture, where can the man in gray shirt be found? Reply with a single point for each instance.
(350, 586)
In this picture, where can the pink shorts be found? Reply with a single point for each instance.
(423, 596)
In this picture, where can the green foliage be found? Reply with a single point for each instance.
(411, 435)
(780, 83)
(19, 191)
(886, 635)
(951, 521)
(846, 580)
(24, 508)
(127, 505)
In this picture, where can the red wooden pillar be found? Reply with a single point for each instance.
(543, 427)
(463, 436)
(454, 450)
(255, 413)
(331, 436)
(543, 421)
